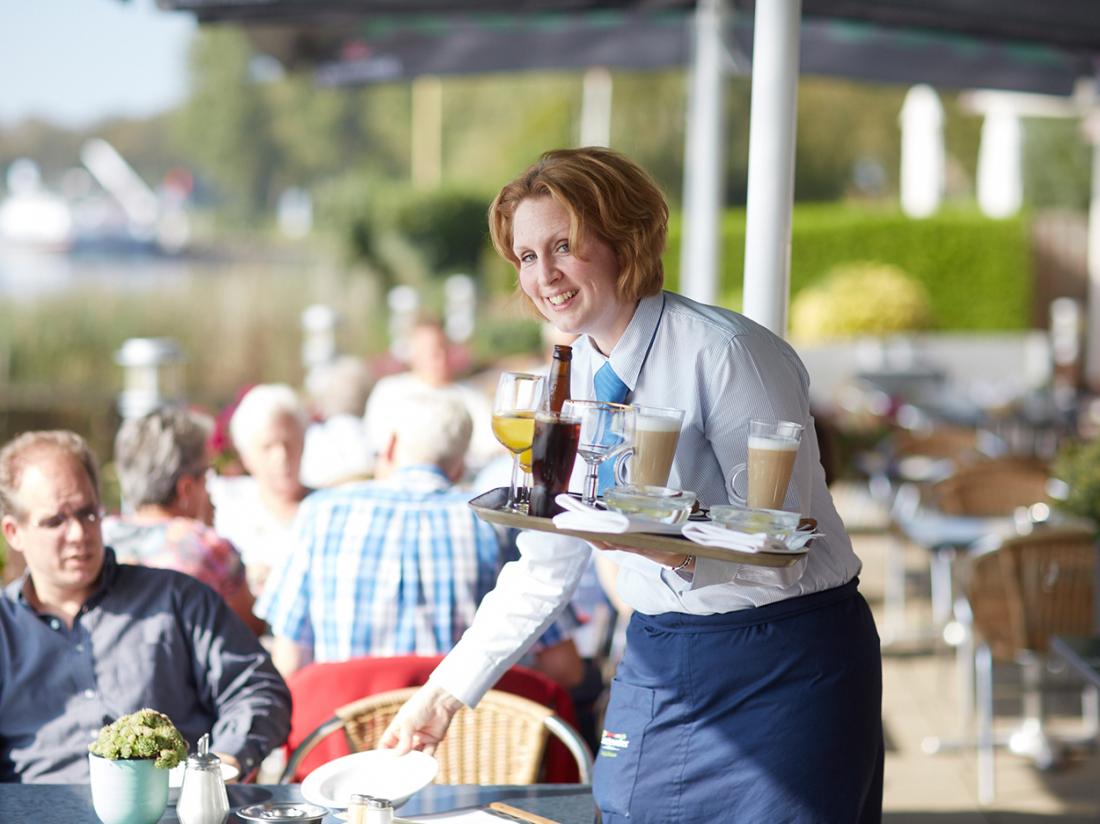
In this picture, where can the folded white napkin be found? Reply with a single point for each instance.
(584, 518)
(710, 534)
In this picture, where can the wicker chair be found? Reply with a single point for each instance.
(992, 487)
(1020, 593)
(501, 741)
(976, 488)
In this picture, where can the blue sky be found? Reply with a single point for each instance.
(76, 61)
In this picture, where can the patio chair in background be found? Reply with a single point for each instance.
(1019, 593)
(944, 516)
(501, 741)
(318, 690)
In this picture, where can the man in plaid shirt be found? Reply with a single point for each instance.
(397, 565)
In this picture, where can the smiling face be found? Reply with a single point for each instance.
(58, 532)
(575, 289)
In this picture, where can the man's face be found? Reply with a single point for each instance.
(274, 456)
(58, 531)
(428, 355)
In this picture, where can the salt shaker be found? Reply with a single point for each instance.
(203, 799)
(366, 809)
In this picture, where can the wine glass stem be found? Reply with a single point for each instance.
(515, 481)
(591, 482)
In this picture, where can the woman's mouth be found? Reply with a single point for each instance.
(562, 298)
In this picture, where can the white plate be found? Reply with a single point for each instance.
(380, 773)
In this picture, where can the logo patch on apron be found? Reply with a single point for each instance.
(611, 743)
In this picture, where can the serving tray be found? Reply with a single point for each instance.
(490, 508)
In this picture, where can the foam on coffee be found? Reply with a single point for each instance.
(655, 439)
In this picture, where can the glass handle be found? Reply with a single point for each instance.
(731, 484)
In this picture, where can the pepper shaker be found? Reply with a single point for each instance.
(203, 799)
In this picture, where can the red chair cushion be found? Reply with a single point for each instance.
(318, 689)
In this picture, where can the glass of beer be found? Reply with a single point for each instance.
(649, 461)
(773, 448)
(518, 396)
(607, 430)
(553, 454)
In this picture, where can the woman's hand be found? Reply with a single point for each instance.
(681, 563)
(422, 722)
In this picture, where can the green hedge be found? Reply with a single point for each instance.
(978, 271)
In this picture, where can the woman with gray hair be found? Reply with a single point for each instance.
(161, 463)
(257, 512)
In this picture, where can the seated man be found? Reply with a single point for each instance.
(161, 463)
(84, 639)
(398, 565)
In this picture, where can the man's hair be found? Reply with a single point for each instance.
(154, 451)
(608, 197)
(432, 427)
(340, 387)
(25, 450)
(259, 407)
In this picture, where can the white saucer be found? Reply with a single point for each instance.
(380, 773)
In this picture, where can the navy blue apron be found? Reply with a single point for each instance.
(772, 714)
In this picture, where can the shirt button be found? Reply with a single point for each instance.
(55, 624)
(89, 693)
(80, 648)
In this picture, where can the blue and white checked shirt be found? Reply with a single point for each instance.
(389, 567)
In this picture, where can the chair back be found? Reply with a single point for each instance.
(991, 487)
(501, 741)
(318, 690)
(1031, 587)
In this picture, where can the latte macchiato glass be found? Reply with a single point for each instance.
(656, 433)
(773, 448)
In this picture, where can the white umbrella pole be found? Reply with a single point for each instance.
(704, 164)
(774, 118)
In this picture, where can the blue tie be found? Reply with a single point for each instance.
(609, 387)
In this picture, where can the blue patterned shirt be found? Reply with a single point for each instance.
(388, 567)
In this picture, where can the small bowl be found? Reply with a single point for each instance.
(658, 503)
(743, 519)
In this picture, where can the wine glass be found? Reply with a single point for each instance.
(518, 396)
(606, 430)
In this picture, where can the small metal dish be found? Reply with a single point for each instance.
(283, 811)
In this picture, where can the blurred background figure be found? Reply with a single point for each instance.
(398, 565)
(336, 448)
(430, 369)
(256, 511)
(162, 465)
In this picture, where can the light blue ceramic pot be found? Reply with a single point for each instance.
(127, 792)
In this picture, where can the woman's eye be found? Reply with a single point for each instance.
(563, 246)
(526, 257)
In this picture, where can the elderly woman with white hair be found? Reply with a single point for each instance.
(257, 512)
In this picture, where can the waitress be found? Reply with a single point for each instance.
(746, 694)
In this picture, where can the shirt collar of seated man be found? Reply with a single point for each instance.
(54, 523)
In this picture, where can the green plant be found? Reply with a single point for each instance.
(1078, 465)
(142, 734)
(860, 299)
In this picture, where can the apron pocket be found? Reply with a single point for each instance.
(629, 713)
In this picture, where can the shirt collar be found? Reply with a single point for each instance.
(628, 356)
(420, 475)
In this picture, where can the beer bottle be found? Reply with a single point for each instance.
(557, 382)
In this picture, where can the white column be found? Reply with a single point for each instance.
(1092, 335)
(774, 117)
(596, 90)
(704, 160)
(922, 154)
(1000, 176)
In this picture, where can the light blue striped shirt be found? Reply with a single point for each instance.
(382, 568)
